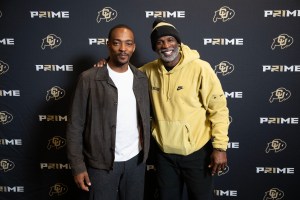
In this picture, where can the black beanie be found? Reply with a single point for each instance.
(163, 28)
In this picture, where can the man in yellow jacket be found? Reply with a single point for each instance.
(191, 118)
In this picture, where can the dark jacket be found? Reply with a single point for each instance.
(91, 130)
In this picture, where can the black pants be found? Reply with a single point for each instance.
(192, 170)
(124, 182)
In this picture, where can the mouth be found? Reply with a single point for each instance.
(167, 52)
(123, 56)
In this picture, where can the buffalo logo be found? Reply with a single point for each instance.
(51, 41)
(281, 94)
(58, 189)
(56, 142)
(5, 117)
(224, 171)
(3, 67)
(224, 68)
(276, 145)
(224, 13)
(55, 93)
(283, 41)
(6, 165)
(273, 194)
(107, 13)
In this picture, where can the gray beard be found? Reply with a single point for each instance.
(169, 58)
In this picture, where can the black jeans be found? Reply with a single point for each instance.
(192, 170)
(124, 182)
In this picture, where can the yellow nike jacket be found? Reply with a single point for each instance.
(189, 105)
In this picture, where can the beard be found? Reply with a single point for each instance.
(119, 61)
(168, 58)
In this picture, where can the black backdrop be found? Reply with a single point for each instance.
(253, 46)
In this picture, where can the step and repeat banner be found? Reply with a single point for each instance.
(253, 47)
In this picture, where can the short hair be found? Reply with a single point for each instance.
(118, 26)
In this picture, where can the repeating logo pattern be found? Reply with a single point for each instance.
(224, 171)
(276, 145)
(4, 67)
(6, 165)
(58, 189)
(283, 41)
(52, 41)
(55, 93)
(57, 142)
(5, 117)
(274, 194)
(224, 14)
(220, 39)
(224, 68)
(280, 95)
(107, 14)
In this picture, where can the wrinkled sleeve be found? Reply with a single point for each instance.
(217, 111)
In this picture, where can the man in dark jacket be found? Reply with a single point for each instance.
(109, 124)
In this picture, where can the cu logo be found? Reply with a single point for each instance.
(224, 13)
(5, 117)
(55, 93)
(3, 67)
(58, 189)
(283, 41)
(6, 165)
(281, 94)
(276, 145)
(224, 68)
(108, 14)
(51, 41)
(56, 142)
(224, 171)
(273, 194)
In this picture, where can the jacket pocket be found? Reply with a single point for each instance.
(174, 137)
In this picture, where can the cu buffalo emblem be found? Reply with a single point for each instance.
(108, 14)
(58, 189)
(283, 41)
(280, 95)
(3, 67)
(224, 68)
(224, 14)
(56, 142)
(55, 93)
(276, 145)
(52, 41)
(273, 194)
(5, 117)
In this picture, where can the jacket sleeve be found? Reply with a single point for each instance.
(76, 125)
(216, 105)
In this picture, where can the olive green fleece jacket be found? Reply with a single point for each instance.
(189, 105)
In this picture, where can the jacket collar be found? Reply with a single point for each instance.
(102, 73)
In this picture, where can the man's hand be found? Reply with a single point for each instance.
(82, 180)
(218, 161)
(100, 63)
